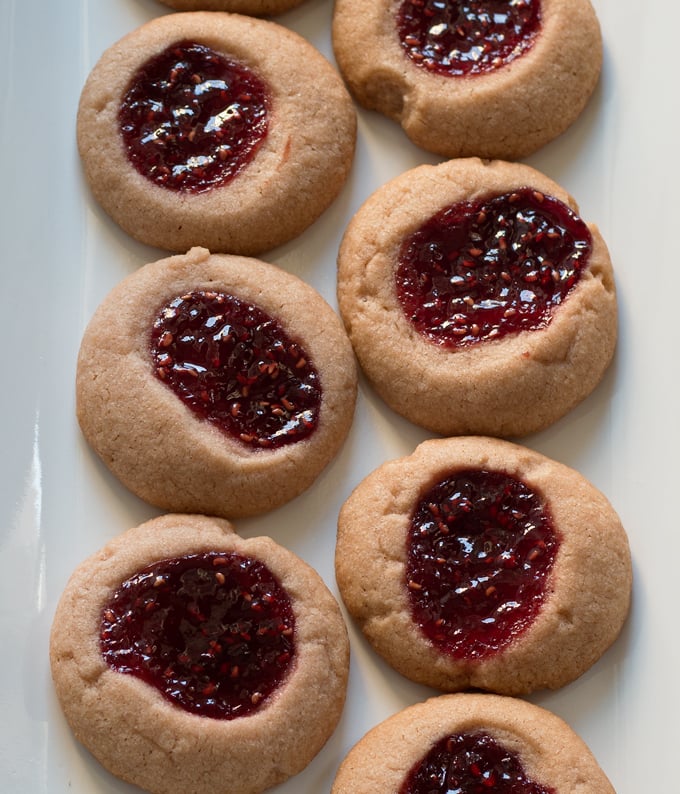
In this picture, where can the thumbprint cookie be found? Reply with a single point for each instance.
(471, 743)
(477, 563)
(188, 659)
(477, 299)
(215, 129)
(486, 78)
(215, 383)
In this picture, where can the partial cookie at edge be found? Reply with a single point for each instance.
(550, 752)
(251, 7)
(507, 113)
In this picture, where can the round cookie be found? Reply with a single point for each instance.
(252, 7)
(476, 299)
(486, 565)
(422, 65)
(238, 137)
(161, 736)
(215, 383)
(537, 751)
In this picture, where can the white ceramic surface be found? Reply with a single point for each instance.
(58, 504)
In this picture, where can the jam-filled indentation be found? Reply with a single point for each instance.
(470, 763)
(235, 366)
(484, 269)
(467, 37)
(480, 550)
(192, 119)
(213, 632)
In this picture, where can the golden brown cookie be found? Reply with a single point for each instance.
(476, 299)
(463, 743)
(491, 78)
(252, 7)
(215, 383)
(477, 563)
(215, 129)
(187, 659)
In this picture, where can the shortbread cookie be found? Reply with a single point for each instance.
(493, 79)
(215, 129)
(471, 743)
(477, 300)
(215, 384)
(477, 563)
(187, 659)
(252, 7)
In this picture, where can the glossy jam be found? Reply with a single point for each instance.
(467, 37)
(213, 632)
(191, 119)
(481, 270)
(481, 547)
(234, 366)
(470, 763)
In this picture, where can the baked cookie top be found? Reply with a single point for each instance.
(494, 79)
(215, 383)
(184, 656)
(476, 299)
(215, 129)
(477, 563)
(465, 742)
(251, 7)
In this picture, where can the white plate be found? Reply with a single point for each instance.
(58, 504)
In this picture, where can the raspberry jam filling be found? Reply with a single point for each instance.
(481, 270)
(213, 632)
(192, 119)
(454, 38)
(470, 763)
(233, 365)
(480, 550)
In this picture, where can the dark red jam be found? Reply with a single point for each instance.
(481, 270)
(467, 37)
(234, 366)
(213, 632)
(192, 119)
(470, 763)
(480, 550)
